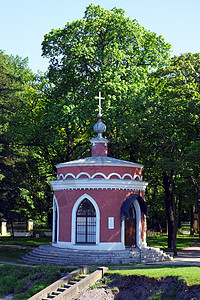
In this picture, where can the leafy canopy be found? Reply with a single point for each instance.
(103, 51)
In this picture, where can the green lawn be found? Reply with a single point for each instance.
(8, 254)
(27, 241)
(190, 274)
(182, 241)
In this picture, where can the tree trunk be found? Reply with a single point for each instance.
(196, 193)
(197, 205)
(174, 214)
(192, 219)
(180, 202)
(170, 211)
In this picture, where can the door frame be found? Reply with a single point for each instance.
(133, 225)
(55, 235)
(138, 226)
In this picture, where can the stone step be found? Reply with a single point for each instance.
(47, 254)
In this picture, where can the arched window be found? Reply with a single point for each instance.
(86, 223)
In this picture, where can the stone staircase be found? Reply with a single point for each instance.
(47, 254)
(71, 285)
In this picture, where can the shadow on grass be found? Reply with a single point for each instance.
(33, 242)
(8, 254)
(161, 241)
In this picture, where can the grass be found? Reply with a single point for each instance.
(33, 242)
(24, 282)
(189, 274)
(11, 254)
(182, 241)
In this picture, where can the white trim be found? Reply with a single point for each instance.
(98, 174)
(123, 232)
(98, 183)
(129, 175)
(138, 226)
(64, 177)
(113, 174)
(55, 208)
(75, 207)
(82, 173)
(100, 246)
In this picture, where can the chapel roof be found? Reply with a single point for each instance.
(99, 161)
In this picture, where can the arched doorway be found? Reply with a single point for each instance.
(86, 223)
(130, 228)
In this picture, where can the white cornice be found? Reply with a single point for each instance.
(96, 183)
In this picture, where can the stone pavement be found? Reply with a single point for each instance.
(188, 256)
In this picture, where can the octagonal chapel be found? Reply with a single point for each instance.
(98, 201)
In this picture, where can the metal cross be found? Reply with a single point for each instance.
(99, 106)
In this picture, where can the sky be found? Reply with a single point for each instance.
(23, 23)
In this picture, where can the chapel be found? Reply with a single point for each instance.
(98, 201)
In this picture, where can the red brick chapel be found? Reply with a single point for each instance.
(98, 201)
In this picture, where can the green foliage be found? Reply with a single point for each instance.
(24, 282)
(158, 296)
(103, 51)
(24, 173)
(151, 111)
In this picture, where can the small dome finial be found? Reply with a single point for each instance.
(99, 143)
(99, 106)
(99, 127)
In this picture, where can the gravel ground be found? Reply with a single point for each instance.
(96, 294)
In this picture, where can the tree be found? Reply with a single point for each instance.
(169, 130)
(16, 157)
(103, 51)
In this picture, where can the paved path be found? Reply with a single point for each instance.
(188, 256)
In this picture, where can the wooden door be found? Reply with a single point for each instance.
(130, 232)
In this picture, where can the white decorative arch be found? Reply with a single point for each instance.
(137, 176)
(74, 210)
(127, 175)
(83, 173)
(55, 226)
(63, 177)
(138, 226)
(114, 174)
(99, 174)
(69, 174)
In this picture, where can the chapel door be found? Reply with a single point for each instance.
(130, 228)
(86, 223)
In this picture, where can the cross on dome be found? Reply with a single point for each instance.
(99, 106)
(99, 127)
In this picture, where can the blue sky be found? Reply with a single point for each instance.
(23, 23)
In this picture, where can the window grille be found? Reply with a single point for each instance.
(86, 223)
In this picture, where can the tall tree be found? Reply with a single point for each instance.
(169, 129)
(103, 51)
(16, 157)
